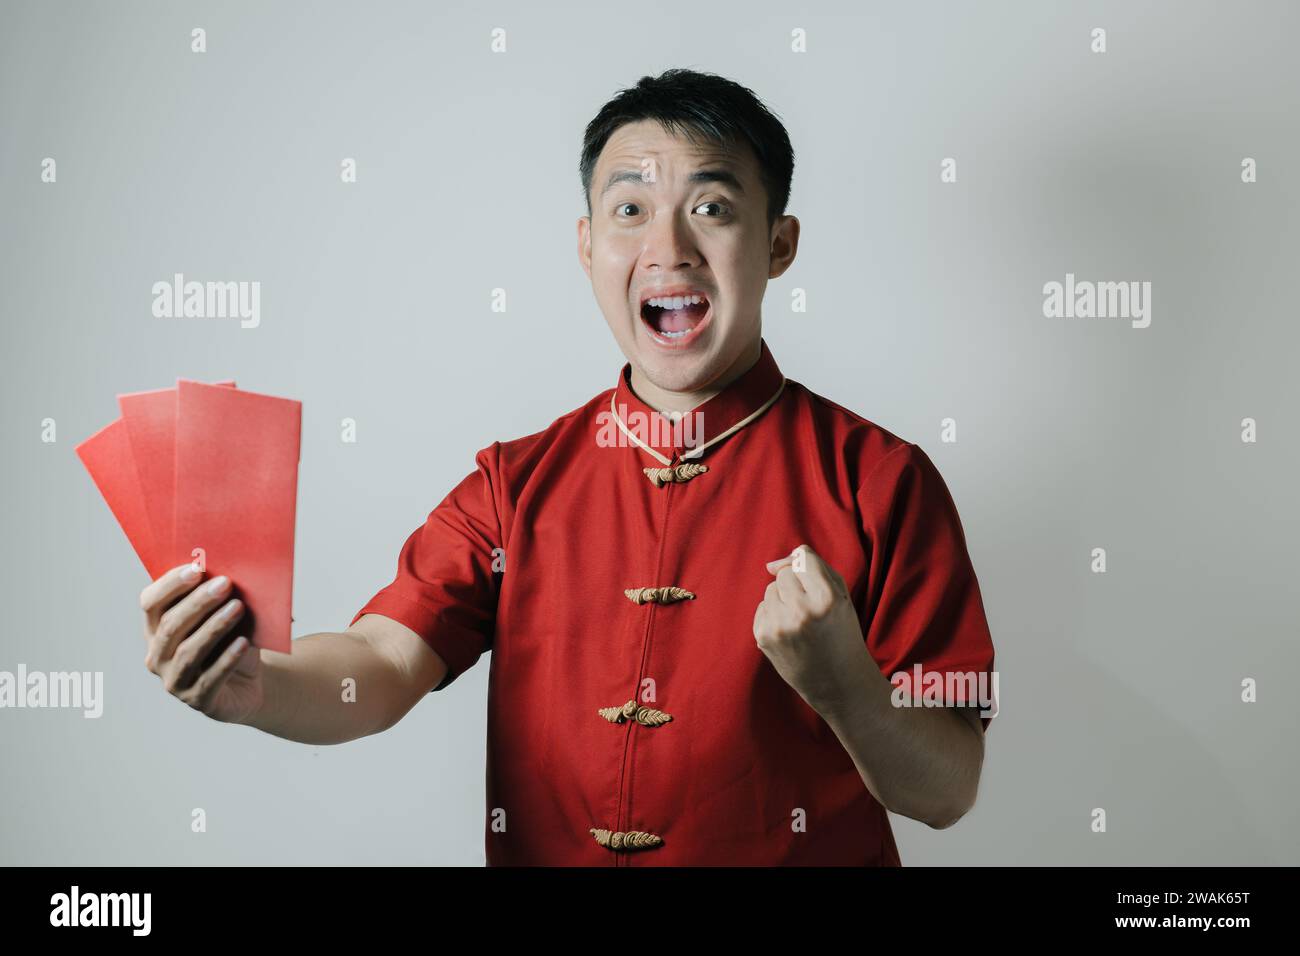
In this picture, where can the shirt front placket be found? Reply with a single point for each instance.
(646, 598)
(683, 467)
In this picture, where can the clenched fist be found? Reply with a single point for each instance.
(807, 626)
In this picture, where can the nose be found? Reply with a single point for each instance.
(669, 244)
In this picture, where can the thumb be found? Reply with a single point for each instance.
(779, 563)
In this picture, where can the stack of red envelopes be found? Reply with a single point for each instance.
(208, 474)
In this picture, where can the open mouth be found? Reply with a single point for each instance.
(678, 318)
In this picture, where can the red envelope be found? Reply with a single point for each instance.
(112, 460)
(107, 456)
(150, 419)
(236, 496)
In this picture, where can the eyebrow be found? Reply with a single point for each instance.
(699, 176)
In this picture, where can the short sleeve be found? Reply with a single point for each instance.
(446, 587)
(923, 615)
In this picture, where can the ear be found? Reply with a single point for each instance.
(784, 245)
(584, 244)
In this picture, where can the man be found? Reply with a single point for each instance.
(696, 587)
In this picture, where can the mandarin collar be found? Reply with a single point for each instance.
(739, 403)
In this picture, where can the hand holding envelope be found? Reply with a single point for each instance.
(208, 474)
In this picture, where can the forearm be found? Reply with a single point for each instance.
(305, 697)
(922, 762)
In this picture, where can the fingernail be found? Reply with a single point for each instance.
(218, 584)
(189, 572)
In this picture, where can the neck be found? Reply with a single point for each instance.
(665, 400)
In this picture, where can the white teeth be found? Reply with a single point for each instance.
(674, 335)
(676, 301)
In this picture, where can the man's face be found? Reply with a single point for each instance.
(679, 263)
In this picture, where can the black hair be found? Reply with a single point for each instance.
(703, 106)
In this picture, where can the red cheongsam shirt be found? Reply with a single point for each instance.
(629, 727)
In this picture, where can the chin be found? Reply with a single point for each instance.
(683, 372)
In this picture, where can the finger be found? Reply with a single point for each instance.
(193, 652)
(790, 587)
(767, 619)
(779, 563)
(181, 619)
(160, 594)
(817, 577)
(810, 557)
(209, 683)
(818, 581)
(823, 571)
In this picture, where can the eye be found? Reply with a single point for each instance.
(721, 206)
(621, 206)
